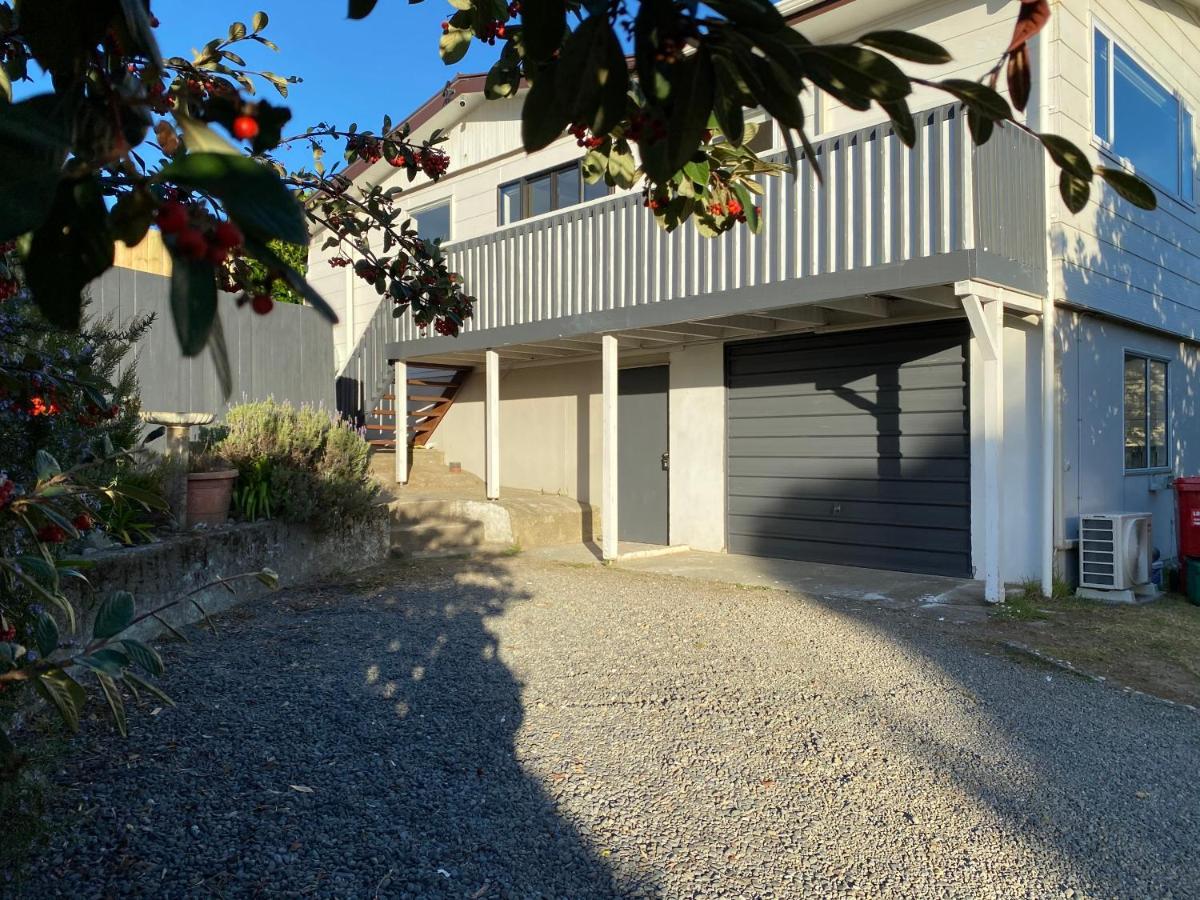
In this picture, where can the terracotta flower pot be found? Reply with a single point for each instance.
(208, 496)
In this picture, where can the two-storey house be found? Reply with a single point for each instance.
(924, 362)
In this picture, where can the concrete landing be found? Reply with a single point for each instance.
(932, 594)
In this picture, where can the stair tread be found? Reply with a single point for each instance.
(430, 398)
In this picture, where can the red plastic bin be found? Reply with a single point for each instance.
(1187, 493)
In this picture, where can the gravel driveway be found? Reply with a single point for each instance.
(514, 728)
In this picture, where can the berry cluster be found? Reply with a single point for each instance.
(195, 235)
(51, 534)
(8, 288)
(8, 488)
(8, 635)
(642, 126)
(338, 262)
(44, 406)
(582, 139)
(432, 162)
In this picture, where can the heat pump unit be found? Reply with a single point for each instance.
(1115, 557)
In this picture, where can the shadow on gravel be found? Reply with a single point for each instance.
(342, 741)
(470, 811)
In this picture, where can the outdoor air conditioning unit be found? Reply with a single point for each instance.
(1115, 557)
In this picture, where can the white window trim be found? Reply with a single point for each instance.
(1137, 353)
(1102, 144)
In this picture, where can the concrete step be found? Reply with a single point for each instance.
(435, 537)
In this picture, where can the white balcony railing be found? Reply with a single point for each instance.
(879, 203)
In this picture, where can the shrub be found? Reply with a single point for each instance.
(313, 466)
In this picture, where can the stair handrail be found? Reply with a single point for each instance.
(366, 368)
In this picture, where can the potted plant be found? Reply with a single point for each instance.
(209, 488)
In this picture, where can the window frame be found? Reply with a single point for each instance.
(525, 182)
(448, 202)
(1184, 189)
(1146, 359)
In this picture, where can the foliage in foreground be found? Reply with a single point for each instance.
(128, 139)
(296, 464)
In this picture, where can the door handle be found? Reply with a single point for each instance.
(665, 459)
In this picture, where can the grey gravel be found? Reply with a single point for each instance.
(512, 728)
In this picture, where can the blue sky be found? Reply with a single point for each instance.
(353, 71)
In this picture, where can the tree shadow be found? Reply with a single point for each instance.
(352, 740)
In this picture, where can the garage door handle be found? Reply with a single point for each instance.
(665, 459)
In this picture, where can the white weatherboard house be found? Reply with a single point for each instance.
(924, 363)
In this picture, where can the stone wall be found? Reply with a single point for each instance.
(158, 573)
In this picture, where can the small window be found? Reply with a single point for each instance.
(1145, 413)
(1142, 121)
(544, 192)
(433, 222)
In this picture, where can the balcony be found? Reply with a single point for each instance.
(884, 220)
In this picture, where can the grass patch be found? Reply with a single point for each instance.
(1153, 647)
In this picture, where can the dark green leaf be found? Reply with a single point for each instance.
(64, 692)
(360, 9)
(1067, 155)
(728, 91)
(251, 193)
(45, 633)
(691, 105)
(34, 137)
(978, 96)
(454, 44)
(902, 121)
(135, 679)
(47, 465)
(193, 302)
(755, 13)
(906, 45)
(542, 118)
(1130, 187)
(108, 660)
(220, 357)
(543, 23)
(131, 216)
(7, 748)
(70, 249)
(1075, 191)
(113, 695)
(114, 615)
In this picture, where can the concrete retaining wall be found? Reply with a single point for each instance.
(159, 573)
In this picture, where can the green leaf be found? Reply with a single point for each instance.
(360, 9)
(198, 137)
(1130, 187)
(131, 216)
(727, 99)
(135, 679)
(220, 357)
(113, 695)
(251, 193)
(144, 656)
(259, 22)
(34, 137)
(1075, 191)
(978, 97)
(905, 45)
(114, 615)
(141, 31)
(45, 633)
(108, 660)
(193, 302)
(269, 577)
(542, 117)
(70, 249)
(47, 465)
(691, 105)
(64, 693)
(454, 44)
(543, 23)
(902, 121)
(1067, 155)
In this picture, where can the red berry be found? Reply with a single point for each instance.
(262, 304)
(51, 534)
(445, 25)
(227, 235)
(191, 243)
(172, 217)
(245, 128)
(83, 522)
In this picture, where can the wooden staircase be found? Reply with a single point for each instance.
(431, 393)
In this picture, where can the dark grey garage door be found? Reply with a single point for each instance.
(852, 448)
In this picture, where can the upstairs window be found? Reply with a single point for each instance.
(1145, 413)
(547, 191)
(433, 222)
(1141, 121)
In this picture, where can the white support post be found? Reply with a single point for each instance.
(987, 326)
(608, 500)
(1049, 445)
(491, 423)
(400, 407)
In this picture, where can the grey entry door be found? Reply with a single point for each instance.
(853, 448)
(642, 477)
